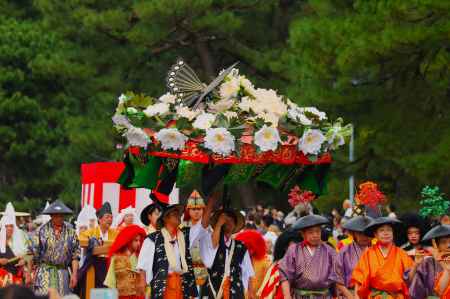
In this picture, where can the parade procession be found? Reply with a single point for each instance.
(211, 149)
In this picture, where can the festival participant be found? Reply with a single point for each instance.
(122, 274)
(126, 217)
(307, 267)
(256, 247)
(13, 248)
(55, 249)
(228, 260)
(87, 219)
(349, 255)
(424, 273)
(271, 285)
(92, 273)
(149, 217)
(165, 262)
(193, 214)
(414, 229)
(379, 272)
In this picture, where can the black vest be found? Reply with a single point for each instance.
(217, 270)
(10, 267)
(161, 268)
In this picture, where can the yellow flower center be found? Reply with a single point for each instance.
(219, 138)
(267, 135)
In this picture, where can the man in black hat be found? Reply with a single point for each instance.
(424, 274)
(165, 262)
(93, 272)
(307, 267)
(55, 250)
(228, 261)
(349, 255)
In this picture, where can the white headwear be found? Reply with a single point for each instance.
(18, 238)
(87, 213)
(127, 211)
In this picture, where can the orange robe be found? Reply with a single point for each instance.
(446, 294)
(379, 277)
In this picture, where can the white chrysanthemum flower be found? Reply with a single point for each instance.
(219, 140)
(156, 109)
(136, 137)
(311, 142)
(121, 120)
(297, 115)
(230, 114)
(132, 110)
(269, 118)
(167, 98)
(122, 99)
(245, 104)
(229, 89)
(316, 112)
(184, 111)
(267, 101)
(267, 138)
(221, 105)
(204, 121)
(247, 85)
(171, 139)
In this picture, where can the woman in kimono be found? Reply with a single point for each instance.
(12, 249)
(379, 272)
(306, 269)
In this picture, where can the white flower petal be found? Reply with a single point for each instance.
(137, 137)
(219, 141)
(204, 121)
(171, 139)
(156, 109)
(267, 138)
(311, 142)
(167, 98)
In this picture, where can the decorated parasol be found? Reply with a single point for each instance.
(228, 132)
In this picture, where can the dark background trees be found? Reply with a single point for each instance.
(382, 65)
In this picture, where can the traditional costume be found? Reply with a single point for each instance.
(122, 274)
(349, 255)
(379, 276)
(167, 261)
(309, 273)
(412, 221)
(195, 201)
(229, 264)
(422, 284)
(13, 249)
(86, 218)
(256, 247)
(54, 253)
(93, 271)
(271, 286)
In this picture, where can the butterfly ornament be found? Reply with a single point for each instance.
(184, 83)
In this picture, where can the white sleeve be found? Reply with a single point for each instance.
(196, 232)
(207, 252)
(145, 259)
(247, 270)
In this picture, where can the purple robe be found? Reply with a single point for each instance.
(346, 261)
(422, 284)
(308, 272)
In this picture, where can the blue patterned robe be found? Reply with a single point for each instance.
(53, 257)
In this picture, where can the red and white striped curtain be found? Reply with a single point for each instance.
(98, 185)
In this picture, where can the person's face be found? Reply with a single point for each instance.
(443, 243)
(105, 221)
(445, 220)
(82, 228)
(268, 246)
(134, 246)
(413, 235)
(128, 219)
(312, 235)
(196, 214)
(361, 239)
(229, 225)
(9, 230)
(153, 217)
(92, 223)
(57, 219)
(173, 218)
(385, 234)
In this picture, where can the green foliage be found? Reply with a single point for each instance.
(433, 202)
(383, 65)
